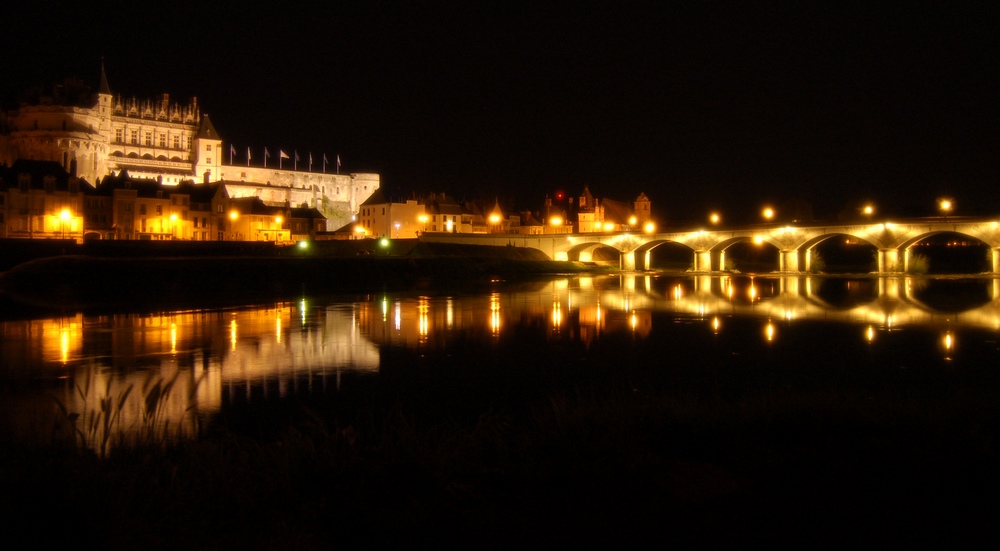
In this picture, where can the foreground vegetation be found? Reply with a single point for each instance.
(548, 444)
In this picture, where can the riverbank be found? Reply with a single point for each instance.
(124, 281)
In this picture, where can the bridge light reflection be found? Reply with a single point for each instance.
(769, 331)
(495, 313)
(948, 342)
(423, 324)
(870, 334)
(716, 324)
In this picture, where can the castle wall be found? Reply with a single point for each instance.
(337, 196)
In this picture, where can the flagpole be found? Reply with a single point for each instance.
(248, 155)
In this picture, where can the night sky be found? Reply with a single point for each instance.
(711, 106)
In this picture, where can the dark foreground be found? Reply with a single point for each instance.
(546, 444)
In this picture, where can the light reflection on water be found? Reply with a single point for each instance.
(218, 356)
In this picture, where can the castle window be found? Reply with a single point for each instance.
(208, 147)
(119, 135)
(177, 142)
(149, 138)
(163, 140)
(142, 208)
(134, 137)
(159, 210)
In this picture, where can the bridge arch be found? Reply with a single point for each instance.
(586, 252)
(807, 250)
(906, 246)
(644, 253)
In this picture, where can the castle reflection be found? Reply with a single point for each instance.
(211, 357)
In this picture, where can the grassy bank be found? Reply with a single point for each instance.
(156, 282)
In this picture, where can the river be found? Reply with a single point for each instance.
(198, 361)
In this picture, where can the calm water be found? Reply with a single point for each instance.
(204, 360)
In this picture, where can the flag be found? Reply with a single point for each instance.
(248, 153)
(232, 150)
(296, 156)
(266, 153)
(282, 154)
(324, 159)
(338, 162)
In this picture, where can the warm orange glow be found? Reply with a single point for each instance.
(768, 213)
(945, 205)
(757, 239)
(556, 221)
(233, 215)
(422, 218)
(633, 221)
(650, 227)
(494, 219)
(769, 332)
(868, 210)
(359, 229)
(608, 226)
(65, 215)
(714, 218)
(279, 220)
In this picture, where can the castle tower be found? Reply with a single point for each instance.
(207, 151)
(104, 99)
(642, 209)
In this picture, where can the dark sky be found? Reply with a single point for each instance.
(714, 105)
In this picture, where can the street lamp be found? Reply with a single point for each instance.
(714, 218)
(64, 216)
(768, 213)
(945, 206)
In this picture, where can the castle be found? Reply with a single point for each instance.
(95, 135)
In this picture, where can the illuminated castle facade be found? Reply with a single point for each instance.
(96, 135)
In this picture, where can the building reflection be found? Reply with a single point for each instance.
(211, 357)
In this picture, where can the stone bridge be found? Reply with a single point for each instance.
(795, 244)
